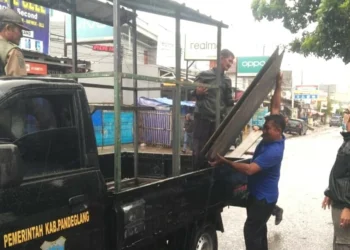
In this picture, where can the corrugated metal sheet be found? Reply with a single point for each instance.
(102, 11)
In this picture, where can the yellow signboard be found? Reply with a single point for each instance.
(308, 92)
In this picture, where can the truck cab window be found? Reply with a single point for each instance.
(32, 115)
(45, 131)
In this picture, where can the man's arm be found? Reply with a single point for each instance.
(270, 158)
(16, 65)
(276, 98)
(245, 168)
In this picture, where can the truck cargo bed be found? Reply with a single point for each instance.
(153, 162)
(131, 183)
(129, 148)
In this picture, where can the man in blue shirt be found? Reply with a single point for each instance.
(263, 175)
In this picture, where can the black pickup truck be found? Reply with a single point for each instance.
(53, 195)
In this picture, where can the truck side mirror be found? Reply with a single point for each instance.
(11, 166)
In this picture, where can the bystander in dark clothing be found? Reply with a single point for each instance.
(338, 194)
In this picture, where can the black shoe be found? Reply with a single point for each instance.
(279, 216)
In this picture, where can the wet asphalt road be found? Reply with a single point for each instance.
(304, 176)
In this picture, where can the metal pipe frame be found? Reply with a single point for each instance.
(136, 120)
(100, 86)
(117, 94)
(188, 66)
(176, 162)
(74, 38)
(119, 75)
(218, 78)
(133, 77)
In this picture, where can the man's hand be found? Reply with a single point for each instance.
(201, 91)
(218, 161)
(256, 128)
(345, 218)
(326, 202)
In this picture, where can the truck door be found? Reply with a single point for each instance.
(60, 201)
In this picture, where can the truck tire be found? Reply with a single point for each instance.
(205, 238)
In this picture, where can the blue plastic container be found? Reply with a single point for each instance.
(103, 122)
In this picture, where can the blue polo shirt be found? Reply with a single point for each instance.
(264, 184)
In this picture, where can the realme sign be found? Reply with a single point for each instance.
(198, 48)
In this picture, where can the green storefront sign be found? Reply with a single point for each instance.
(250, 66)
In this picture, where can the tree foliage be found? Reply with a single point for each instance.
(331, 37)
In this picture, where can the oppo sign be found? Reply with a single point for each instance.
(250, 66)
(253, 64)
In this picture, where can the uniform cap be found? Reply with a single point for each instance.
(10, 16)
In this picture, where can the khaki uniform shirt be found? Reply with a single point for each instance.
(14, 64)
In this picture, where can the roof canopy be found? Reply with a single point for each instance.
(102, 11)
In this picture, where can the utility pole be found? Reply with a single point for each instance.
(329, 104)
(302, 77)
(264, 50)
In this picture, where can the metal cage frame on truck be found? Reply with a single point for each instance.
(116, 13)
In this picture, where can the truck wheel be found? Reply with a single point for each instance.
(205, 239)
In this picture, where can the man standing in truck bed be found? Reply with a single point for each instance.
(205, 110)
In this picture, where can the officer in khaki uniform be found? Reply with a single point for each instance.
(11, 58)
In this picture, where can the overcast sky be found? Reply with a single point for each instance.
(246, 37)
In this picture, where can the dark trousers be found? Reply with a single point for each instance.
(255, 228)
(202, 130)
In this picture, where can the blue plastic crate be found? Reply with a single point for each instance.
(103, 122)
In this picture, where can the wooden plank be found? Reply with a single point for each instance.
(245, 145)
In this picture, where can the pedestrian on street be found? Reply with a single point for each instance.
(263, 174)
(188, 135)
(11, 58)
(337, 195)
(205, 109)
